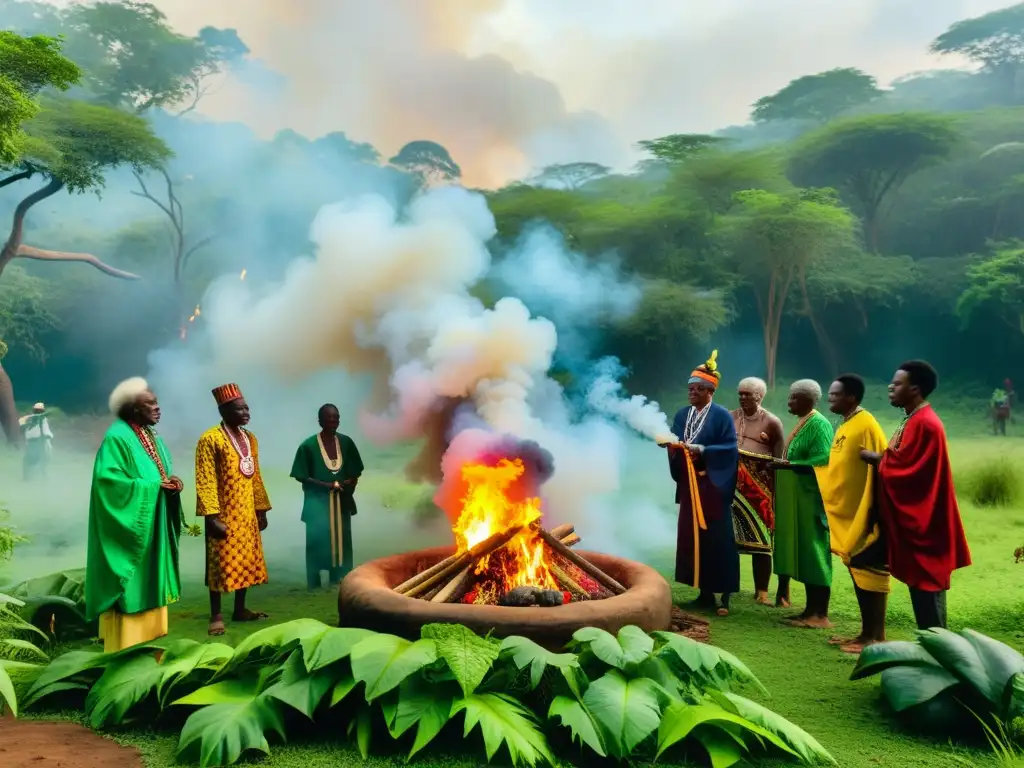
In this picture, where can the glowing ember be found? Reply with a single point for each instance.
(489, 508)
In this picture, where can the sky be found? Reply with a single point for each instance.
(511, 85)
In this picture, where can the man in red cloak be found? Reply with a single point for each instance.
(919, 514)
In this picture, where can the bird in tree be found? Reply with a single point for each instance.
(995, 41)
(868, 158)
(818, 98)
(427, 161)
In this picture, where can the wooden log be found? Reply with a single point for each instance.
(571, 540)
(566, 582)
(561, 531)
(422, 576)
(487, 546)
(584, 565)
(450, 592)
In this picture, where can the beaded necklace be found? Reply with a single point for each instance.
(145, 435)
(695, 422)
(758, 414)
(246, 462)
(333, 465)
(897, 436)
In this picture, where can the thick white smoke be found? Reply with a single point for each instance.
(389, 296)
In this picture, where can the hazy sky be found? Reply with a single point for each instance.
(510, 84)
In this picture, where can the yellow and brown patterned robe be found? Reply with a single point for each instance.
(221, 489)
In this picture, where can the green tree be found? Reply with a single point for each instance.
(995, 41)
(570, 175)
(868, 158)
(818, 98)
(995, 288)
(427, 161)
(773, 239)
(679, 147)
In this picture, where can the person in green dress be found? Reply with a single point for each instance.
(802, 544)
(328, 466)
(131, 567)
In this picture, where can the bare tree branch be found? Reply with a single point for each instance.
(39, 254)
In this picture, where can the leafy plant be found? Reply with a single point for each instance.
(8, 538)
(55, 603)
(621, 696)
(14, 648)
(944, 676)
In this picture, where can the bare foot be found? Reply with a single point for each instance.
(818, 622)
(783, 602)
(248, 615)
(838, 640)
(216, 626)
(761, 598)
(722, 611)
(853, 648)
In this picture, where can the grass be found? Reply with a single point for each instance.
(808, 679)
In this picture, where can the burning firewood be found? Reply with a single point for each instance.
(585, 565)
(485, 547)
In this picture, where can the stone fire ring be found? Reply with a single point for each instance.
(366, 599)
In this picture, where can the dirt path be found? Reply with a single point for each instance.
(35, 744)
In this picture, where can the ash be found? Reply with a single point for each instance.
(525, 597)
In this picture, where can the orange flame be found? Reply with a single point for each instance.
(487, 508)
(197, 312)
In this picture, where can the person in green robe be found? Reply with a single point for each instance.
(328, 466)
(802, 544)
(135, 521)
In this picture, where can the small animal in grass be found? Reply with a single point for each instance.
(525, 597)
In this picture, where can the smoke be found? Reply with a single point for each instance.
(605, 395)
(384, 311)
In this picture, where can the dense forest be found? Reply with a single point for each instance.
(846, 225)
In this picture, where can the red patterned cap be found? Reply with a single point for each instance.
(226, 393)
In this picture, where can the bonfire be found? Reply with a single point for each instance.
(504, 556)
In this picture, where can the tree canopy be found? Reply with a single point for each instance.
(819, 98)
(428, 161)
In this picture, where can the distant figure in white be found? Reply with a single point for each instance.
(38, 442)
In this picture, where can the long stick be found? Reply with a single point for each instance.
(454, 586)
(561, 531)
(585, 565)
(566, 581)
(485, 547)
(571, 540)
(422, 576)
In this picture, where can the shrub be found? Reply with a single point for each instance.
(8, 538)
(14, 648)
(991, 484)
(622, 697)
(947, 679)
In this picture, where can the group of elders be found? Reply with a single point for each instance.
(887, 508)
(135, 514)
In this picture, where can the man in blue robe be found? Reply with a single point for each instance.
(703, 464)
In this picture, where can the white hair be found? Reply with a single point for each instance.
(755, 385)
(807, 387)
(127, 391)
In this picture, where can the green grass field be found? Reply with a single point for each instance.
(807, 678)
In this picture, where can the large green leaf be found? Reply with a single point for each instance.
(343, 686)
(236, 690)
(186, 660)
(384, 661)
(795, 738)
(879, 657)
(1014, 697)
(722, 749)
(682, 719)
(580, 722)
(300, 689)
(905, 687)
(220, 734)
(468, 655)
(523, 652)
(335, 644)
(23, 646)
(1000, 662)
(631, 646)
(364, 729)
(710, 665)
(125, 683)
(7, 693)
(271, 640)
(73, 670)
(628, 710)
(502, 719)
(418, 702)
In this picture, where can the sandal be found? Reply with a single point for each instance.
(217, 628)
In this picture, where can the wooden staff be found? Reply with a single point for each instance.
(485, 547)
(584, 565)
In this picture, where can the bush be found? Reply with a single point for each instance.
(992, 484)
(621, 697)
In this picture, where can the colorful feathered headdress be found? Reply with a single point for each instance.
(708, 373)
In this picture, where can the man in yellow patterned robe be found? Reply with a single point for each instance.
(230, 495)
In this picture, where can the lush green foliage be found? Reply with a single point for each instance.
(618, 696)
(995, 483)
(821, 97)
(54, 603)
(944, 677)
(995, 288)
(9, 539)
(14, 648)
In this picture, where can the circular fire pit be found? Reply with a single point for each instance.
(366, 598)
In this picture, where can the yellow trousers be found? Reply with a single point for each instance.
(123, 630)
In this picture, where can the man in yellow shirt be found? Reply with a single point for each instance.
(849, 493)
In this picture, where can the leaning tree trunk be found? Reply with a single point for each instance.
(828, 349)
(8, 410)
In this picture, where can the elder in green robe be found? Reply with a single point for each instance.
(134, 525)
(802, 542)
(328, 466)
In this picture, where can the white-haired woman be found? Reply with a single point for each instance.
(760, 439)
(134, 524)
(802, 546)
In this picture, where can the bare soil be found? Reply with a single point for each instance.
(35, 744)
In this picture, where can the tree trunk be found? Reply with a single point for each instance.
(771, 309)
(8, 410)
(828, 350)
(10, 249)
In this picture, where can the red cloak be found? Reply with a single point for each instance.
(918, 507)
